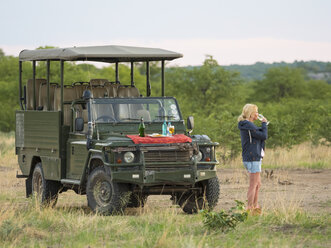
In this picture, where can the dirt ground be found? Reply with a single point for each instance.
(281, 189)
(309, 190)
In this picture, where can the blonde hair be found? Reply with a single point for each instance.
(248, 109)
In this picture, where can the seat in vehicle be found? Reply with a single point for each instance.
(127, 111)
(103, 113)
(80, 87)
(29, 92)
(99, 91)
(43, 96)
(127, 91)
(144, 113)
(112, 89)
(98, 82)
(69, 94)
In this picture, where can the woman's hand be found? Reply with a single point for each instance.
(264, 119)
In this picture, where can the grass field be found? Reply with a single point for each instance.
(303, 156)
(283, 223)
(26, 225)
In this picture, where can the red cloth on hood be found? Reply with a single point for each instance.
(177, 138)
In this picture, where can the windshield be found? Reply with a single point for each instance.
(108, 110)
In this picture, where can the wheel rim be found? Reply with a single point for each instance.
(102, 193)
(37, 185)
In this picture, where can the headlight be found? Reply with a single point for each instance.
(128, 157)
(199, 156)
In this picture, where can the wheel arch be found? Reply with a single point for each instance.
(35, 160)
(94, 160)
(28, 182)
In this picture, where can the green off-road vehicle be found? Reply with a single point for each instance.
(76, 136)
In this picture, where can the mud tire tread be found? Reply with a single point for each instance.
(50, 189)
(119, 197)
(191, 202)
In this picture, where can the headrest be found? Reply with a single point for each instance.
(98, 82)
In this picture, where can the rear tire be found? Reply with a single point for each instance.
(105, 196)
(45, 191)
(137, 200)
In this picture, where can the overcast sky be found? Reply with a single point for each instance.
(233, 31)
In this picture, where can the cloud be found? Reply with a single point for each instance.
(243, 51)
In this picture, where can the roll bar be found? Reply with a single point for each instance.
(109, 54)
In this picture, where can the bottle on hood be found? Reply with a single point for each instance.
(164, 128)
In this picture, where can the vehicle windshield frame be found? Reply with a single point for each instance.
(131, 100)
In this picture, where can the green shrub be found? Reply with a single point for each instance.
(223, 220)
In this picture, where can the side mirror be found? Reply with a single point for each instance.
(190, 122)
(79, 124)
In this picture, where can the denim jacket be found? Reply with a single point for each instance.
(252, 140)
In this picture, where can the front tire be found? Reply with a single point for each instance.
(191, 202)
(45, 191)
(105, 196)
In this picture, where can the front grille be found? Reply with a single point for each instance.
(167, 159)
(167, 156)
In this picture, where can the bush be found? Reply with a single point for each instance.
(223, 220)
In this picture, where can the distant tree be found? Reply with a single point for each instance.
(2, 54)
(328, 67)
(9, 103)
(203, 88)
(318, 89)
(279, 83)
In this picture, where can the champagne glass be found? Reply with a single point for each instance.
(171, 130)
(261, 117)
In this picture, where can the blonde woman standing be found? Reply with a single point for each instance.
(252, 143)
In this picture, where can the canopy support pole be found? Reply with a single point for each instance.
(148, 85)
(162, 77)
(48, 76)
(132, 74)
(117, 80)
(62, 82)
(20, 83)
(34, 83)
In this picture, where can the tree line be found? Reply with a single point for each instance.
(297, 107)
(312, 69)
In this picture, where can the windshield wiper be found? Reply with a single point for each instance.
(168, 116)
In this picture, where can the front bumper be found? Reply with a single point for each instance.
(161, 165)
(171, 176)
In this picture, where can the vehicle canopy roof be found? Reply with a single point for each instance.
(110, 54)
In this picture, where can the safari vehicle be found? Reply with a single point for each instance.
(76, 136)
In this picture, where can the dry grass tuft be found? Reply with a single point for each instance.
(7, 151)
(304, 155)
(284, 203)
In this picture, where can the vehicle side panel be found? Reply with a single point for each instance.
(38, 138)
(76, 159)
